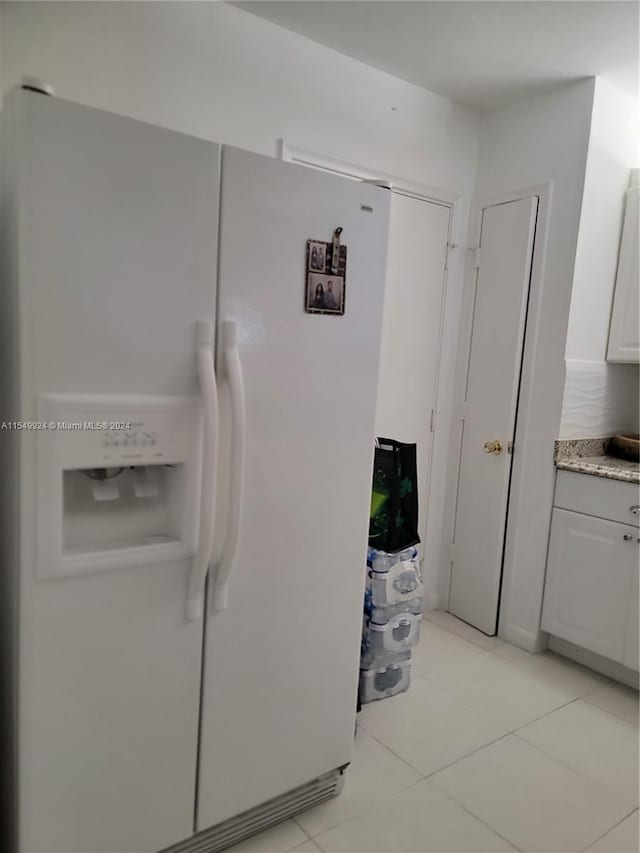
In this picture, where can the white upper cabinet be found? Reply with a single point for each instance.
(624, 331)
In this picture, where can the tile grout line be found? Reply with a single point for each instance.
(309, 838)
(319, 846)
(420, 773)
(444, 793)
(298, 846)
(459, 635)
(491, 715)
(451, 797)
(476, 817)
(607, 680)
(368, 809)
(377, 802)
(395, 754)
(551, 757)
(546, 714)
(536, 670)
(512, 731)
(484, 746)
(401, 791)
(482, 713)
(575, 770)
(451, 763)
(478, 748)
(422, 776)
(533, 670)
(468, 755)
(613, 713)
(600, 837)
(499, 642)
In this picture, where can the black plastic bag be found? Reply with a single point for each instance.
(393, 524)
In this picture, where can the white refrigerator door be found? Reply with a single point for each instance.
(117, 236)
(281, 661)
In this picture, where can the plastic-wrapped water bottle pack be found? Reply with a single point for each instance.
(391, 622)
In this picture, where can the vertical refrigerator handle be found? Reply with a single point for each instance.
(209, 392)
(233, 368)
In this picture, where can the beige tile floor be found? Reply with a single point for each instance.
(491, 749)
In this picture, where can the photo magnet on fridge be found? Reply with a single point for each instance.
(325, 290)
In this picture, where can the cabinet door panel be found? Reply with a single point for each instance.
(589, 582)
(586, 494)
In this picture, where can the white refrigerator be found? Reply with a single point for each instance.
(186, 457)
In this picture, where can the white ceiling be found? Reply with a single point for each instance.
(482, 54)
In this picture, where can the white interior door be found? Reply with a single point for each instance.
(281, 662)
(411, 331)
(494, 358)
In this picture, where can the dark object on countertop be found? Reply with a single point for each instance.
(625, 447)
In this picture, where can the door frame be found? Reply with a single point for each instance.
(519, 496)
(451, 302)
(312, 159)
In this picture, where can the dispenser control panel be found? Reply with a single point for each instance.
(131, 438)
(106, 431)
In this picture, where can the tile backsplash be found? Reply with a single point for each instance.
(600, 399)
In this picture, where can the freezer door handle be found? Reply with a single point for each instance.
(209, 392)
(233, 370)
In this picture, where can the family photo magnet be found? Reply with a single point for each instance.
(326, 276)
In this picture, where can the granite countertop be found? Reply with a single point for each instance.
(589, 456)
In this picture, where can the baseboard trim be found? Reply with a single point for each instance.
(596, 662)
(526, 640)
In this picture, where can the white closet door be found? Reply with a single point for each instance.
(411, 326)
(489, 411)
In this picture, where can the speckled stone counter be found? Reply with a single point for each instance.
(589, 456)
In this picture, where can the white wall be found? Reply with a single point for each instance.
(218, 72)
(215, 71)
(534, 142)
(600, 399)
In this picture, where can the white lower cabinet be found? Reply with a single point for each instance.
(591, 587)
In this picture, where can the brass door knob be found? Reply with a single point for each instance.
(493, 446)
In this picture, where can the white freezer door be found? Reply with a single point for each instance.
(281, 662)
(117, 233)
